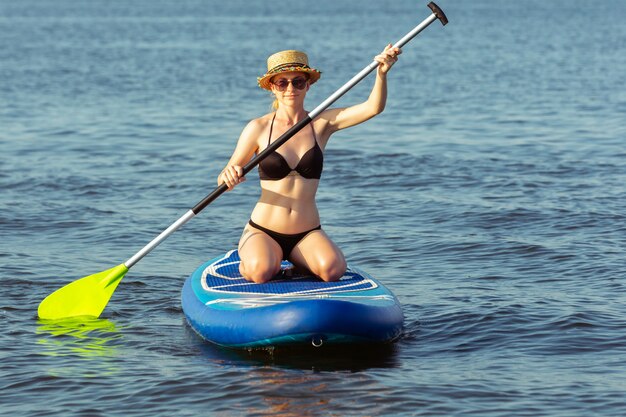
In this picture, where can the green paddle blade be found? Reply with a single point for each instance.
(87, 296)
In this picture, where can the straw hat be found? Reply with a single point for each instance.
(286, 61)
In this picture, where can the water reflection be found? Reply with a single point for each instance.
(297, 382)
(352, 358)
(284, 396)
(91, 340)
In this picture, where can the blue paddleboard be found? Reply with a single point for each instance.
(225, 309)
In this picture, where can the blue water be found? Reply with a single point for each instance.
(490, 197)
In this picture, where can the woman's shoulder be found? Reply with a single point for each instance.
(255, 128)
(260, 123)
(324, 123)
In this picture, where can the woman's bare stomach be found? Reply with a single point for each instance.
(289, 208)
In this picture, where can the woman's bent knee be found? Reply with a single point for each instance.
(258, 271)
(333, 271)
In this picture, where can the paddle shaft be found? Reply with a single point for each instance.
(437, 14)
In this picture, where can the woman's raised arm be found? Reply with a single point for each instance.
(342, 118)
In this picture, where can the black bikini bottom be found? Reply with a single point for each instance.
(286, 241)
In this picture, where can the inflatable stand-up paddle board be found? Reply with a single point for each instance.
(291, 309)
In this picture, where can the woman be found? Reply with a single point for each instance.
(285, 222)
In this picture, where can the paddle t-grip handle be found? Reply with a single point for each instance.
(438, 12)
(221, 189)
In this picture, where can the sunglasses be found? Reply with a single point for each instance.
(299, 83)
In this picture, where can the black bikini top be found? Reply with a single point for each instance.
(274, 167)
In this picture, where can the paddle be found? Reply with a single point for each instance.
(89, 296)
